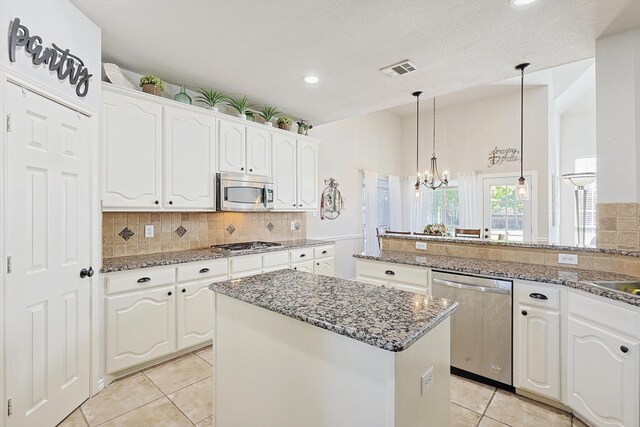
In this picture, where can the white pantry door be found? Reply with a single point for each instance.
(49, 241)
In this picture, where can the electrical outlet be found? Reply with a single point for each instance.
(148, 230)
(567, 259)
(426, 381)
(421, 245)
(292, 225)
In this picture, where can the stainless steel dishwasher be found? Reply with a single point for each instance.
(481, 327)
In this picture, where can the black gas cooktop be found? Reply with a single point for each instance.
(245, 246)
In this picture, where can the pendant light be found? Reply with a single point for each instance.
(431, 177)
(523, 186)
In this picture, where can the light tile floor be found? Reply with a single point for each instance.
(179, 393)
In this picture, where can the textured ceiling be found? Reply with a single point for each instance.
(263, 48)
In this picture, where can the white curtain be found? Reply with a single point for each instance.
(420, 207)
(371, 209)
(470, 211)
(395, 203)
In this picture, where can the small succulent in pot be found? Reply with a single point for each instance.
(268, 114)
(152, 84)
(241, 105)
(250, 116)
(303, 127)
(285, 122)
(211, 97)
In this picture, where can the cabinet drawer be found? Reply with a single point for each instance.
(216, 269)
(275, 260)
(242, 264)
(299, 255)
(323, 252)
(139, 279)
(537, 294)
(597, 310)
(393, 272)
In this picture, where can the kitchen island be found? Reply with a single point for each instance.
(298, 349)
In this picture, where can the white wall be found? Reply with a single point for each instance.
(618, 118)
(371, 141)
(56, 22)
(465, 133)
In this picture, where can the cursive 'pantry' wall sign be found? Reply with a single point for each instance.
(498, 156)
(67, 66)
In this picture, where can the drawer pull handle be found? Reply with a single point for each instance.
(324, 252)
(536, 295)
(390, 273)
(184, 290)
(303, 255)
(204, 270)
(144, 279)
(524, 312)
(169, 293)
(624, 349)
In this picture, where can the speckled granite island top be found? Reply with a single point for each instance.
(386, 318)
(133, 262)
(573, 278)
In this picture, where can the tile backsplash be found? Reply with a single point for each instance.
(123, 232)
(618, 226)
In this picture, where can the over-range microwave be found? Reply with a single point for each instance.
(240, 193)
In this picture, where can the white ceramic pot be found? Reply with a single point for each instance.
(241, 116)
(268, 123)
(214, 109)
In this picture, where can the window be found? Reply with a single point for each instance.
(384, 210)
(506, 214)
(588, 164)
(444, 207)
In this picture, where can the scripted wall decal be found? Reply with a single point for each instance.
(498, 156)
(66, 65)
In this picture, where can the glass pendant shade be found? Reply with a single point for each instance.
(522, 191)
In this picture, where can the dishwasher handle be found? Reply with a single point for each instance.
(471, 287)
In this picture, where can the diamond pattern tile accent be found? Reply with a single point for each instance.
(181, 231)
(231, 229)
(297, 225)
(270, 227)
(126, 233)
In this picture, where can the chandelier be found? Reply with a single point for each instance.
(431, 177)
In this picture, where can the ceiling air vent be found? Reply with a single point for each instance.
(399, 69)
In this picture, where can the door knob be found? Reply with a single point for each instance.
(86, 273)
(486, 236)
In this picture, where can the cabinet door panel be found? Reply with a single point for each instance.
(306, 266)
(132, 136)
(284, 172)
(140, 327)
(324, 266)
(537, 352)
(189, 150)
(603, 381)
(231, 146)
(258, 152)
(195, 314)
(307, 175)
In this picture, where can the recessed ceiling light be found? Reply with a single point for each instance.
(311, 79)
(520, 3)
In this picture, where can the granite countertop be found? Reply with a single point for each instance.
(386, 318)
(570, 277)
(133, 262)
(521, 245)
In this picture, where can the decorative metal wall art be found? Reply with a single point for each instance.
(331, 202)
(498, 156)
(67, 66)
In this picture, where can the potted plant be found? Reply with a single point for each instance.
(241, 105)
(268, 114)
(211, 97)
(250, 116)
(151, 84)
(436, 230)
(285, 122)
(303, 127)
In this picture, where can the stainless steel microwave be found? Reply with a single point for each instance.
(240, 193)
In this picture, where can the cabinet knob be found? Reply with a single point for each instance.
(241, 169)
(300, 205)
(486, 236)
(157, 202)
(184, 290)
(250, 170)
(524, 312)
(169, 293)
(624, 349)
(295, 268)
(294, 205)
(317, 263)
(170, 202)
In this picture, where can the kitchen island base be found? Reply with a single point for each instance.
(273, 370)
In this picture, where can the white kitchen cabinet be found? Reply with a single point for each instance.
(258, 157)
(403, 277)
(306, 266)
(231, 146)
(603, 384)
(194, 315)
(189, 159)
(140, 327)
(323, 259)
(537, 350)
(307, 175)
(132, 137)
(284, 172)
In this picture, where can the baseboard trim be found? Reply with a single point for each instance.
(542, 399)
